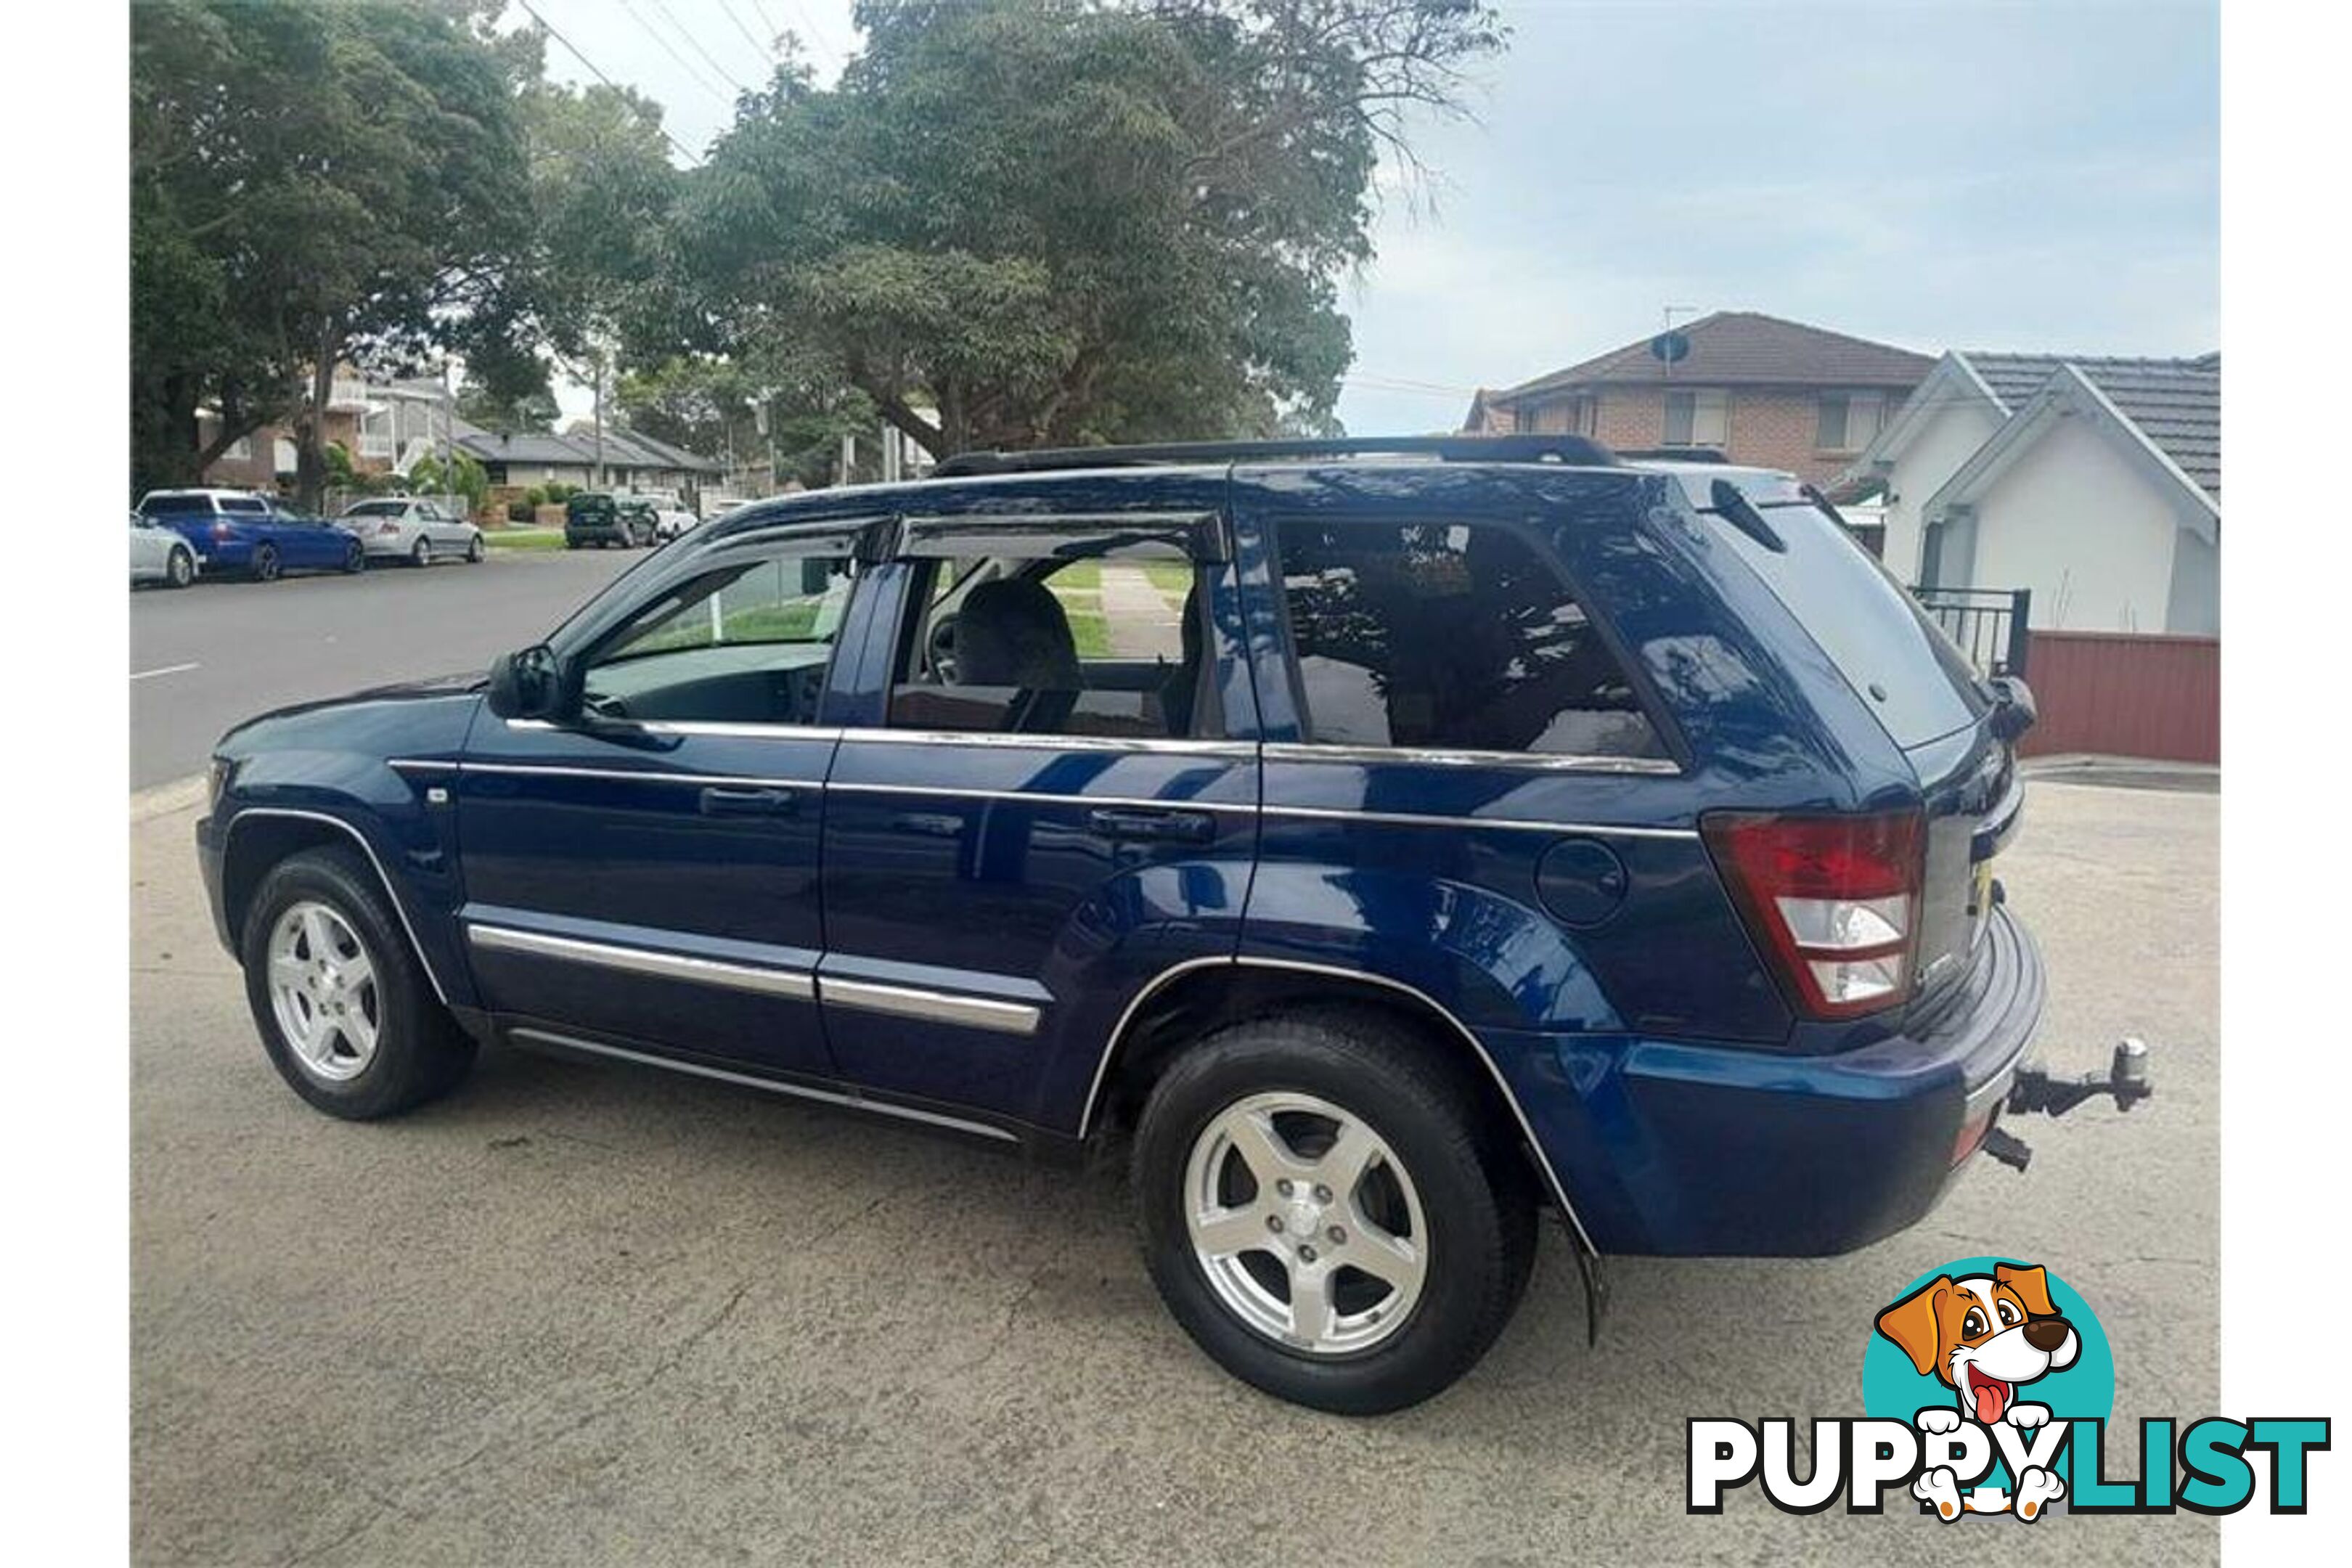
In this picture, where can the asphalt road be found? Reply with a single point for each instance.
(207, 657)
(579, 1315)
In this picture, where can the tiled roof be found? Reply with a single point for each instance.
(1743, 348)
(2176, 403)
(624, 450)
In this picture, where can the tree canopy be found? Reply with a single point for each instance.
(1009, 222)
(1016, 222)
(307, 182)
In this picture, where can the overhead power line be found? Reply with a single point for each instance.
(696, 44)
(683, 64)
(595, 71)
(768, 48)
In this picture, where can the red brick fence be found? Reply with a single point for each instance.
(2125, 694)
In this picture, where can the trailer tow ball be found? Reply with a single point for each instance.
(2035, 1089)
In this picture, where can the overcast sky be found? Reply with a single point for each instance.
(2030, 176)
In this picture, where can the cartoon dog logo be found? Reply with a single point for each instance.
(1984, 1336)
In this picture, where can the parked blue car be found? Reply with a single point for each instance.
(1387, 840)
(242, 532)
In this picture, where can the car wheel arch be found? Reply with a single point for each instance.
(1190, 1000)
(259, 838)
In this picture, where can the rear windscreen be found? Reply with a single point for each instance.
(1898, 661)
(177, 506)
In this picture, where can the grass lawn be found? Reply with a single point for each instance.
(524, 538)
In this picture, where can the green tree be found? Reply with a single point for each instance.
(333, 180)
(1058, 221)
(518, 404)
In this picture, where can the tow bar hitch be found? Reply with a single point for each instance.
(2034, 1088)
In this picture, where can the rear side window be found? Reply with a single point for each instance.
(1110, 644)
(244, 506)
(1449, 635)
(1898, 661)
(177, 506)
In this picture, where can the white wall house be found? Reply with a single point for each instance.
(2096, 483)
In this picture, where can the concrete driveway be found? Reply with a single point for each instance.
(579, 1315)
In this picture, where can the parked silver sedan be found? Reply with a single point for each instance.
(409, 529)
(158, 555)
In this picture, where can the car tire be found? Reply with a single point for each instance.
(1439, 1290)
(422, 555)
(474, 550)
(392, 1046)
(355, 557)
(179, 568)
(265, 567)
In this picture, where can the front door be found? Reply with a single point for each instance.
(647, 876)
(1050, 811)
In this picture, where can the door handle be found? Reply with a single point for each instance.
(1135, 823)
(721, 802)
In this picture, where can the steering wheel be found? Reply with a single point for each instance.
(939, 646)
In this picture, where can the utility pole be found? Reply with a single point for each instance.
(600, 418)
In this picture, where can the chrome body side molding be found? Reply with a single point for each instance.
(796, 984)
(936, 1006)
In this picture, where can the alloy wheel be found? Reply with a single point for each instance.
(181, 569)
(324, 992)
(1306, 1225)
(422, 554)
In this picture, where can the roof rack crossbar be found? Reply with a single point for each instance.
(1571, 449)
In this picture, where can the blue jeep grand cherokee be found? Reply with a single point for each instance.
(1388, 839)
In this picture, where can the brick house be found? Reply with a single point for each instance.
(1778, 393)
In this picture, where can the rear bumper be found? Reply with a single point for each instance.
(1669, 1147)
(614, 535)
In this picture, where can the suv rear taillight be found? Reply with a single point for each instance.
(1835, 899)
(221, 530)
(383, 528)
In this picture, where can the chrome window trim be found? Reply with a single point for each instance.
(1240, 751)
(1032, 797)
(803, 1092)
(719, 727)
(638, 775)
(391, 890)
(795, 985)
(922, 535)
(1439, 756)
(1158, 981)
(727, 727)
(932, 1006)
(422, 765)
(1505, 823)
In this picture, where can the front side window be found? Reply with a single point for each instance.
(1456, 636)
(244, 506)
(744, 642)
(1109, 644)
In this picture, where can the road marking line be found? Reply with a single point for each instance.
(167, 670)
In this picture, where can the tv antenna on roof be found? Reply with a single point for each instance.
(1670, 345)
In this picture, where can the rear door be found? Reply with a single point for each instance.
(646, 878)
(1051, 810)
